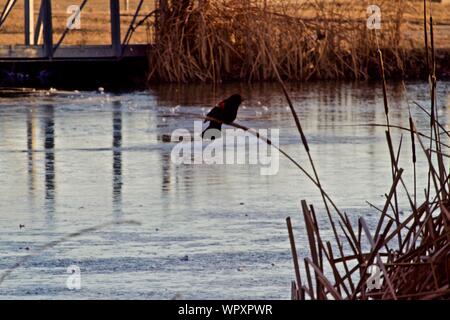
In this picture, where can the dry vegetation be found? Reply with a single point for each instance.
(411, 251)
(409, 246)
(317, 39)
(214, 40)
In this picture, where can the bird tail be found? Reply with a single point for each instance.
(212, 125)
(203, 133)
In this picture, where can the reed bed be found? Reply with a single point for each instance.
(218, 40)
(411, 254)
(411, 251)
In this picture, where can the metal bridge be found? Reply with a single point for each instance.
(39, 38)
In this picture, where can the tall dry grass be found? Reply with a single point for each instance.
(412, 252)
(212, 40)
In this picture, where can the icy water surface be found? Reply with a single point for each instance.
(74, 160)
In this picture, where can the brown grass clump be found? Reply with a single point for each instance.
(208, 40)
(411, 251)
(411, 254)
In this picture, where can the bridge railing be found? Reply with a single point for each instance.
(103, 27)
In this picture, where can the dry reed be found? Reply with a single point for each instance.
(412, 254)
(211, 40)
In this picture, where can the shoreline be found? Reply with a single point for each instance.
(132, 73)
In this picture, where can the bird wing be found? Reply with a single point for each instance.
(214, 113)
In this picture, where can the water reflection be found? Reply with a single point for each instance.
(117, 157)
(85, 149)
(331, 113)
(48, 119)
(327, 103)
(31, 146)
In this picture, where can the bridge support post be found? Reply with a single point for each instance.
(48, 27)
(114, 6)
(29, 22)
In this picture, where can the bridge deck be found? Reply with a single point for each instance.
(91, 52)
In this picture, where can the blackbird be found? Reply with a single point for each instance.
(225, 112)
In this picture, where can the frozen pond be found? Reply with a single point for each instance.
(74, 160)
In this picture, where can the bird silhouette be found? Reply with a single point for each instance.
(225, 111)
